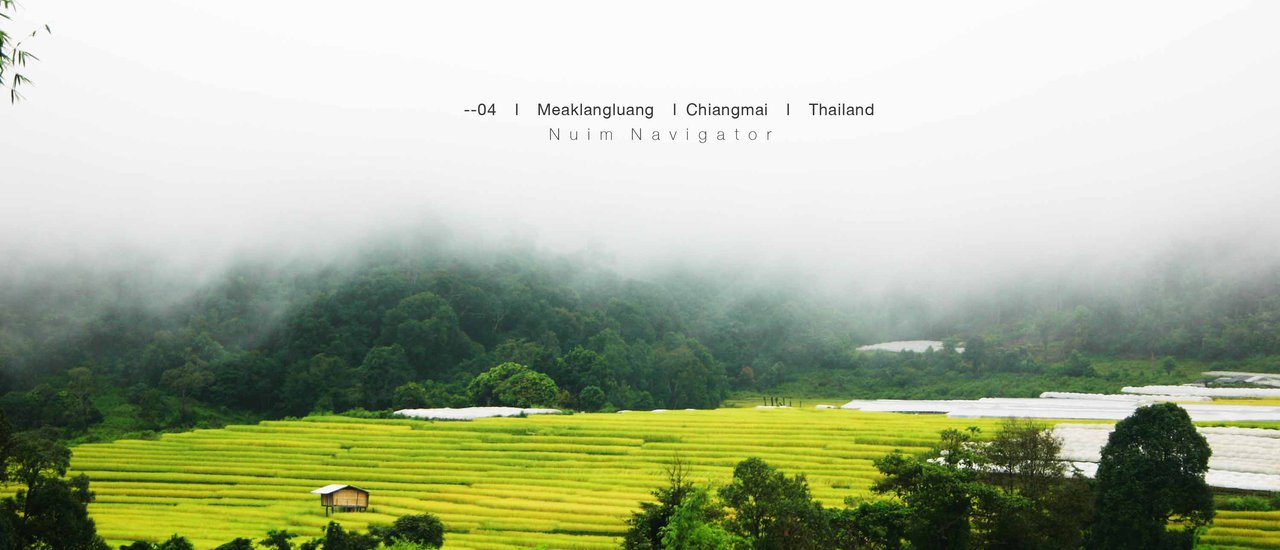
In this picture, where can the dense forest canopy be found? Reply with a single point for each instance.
(413, 322)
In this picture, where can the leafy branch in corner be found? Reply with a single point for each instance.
(12, 56)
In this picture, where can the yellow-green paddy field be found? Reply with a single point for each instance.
(556, 481)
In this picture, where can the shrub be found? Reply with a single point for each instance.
(591, 399)
(421, 529)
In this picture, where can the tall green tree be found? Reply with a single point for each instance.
(645, 527)
(772, 510)
(1027, 500)
(938, 497)
(49, 511)
(1151, 473)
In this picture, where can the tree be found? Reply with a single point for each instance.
(591, 399)
(879, 525)
(337, 538)
(1011, 492)
(1023, 458)
(771, 510)
(484, 387)
(322, 382)
(186, 381)
(80, 389)
(176, 542)
(236, 544)
(277, 540)
(1151, 472)
(409, 396)
(50, 512)
(937, 495)
(6, 447)
(645, 527)
(426, 327)
(420, 529)
(579, 368)
(8, 531)
(528, 389)
(54, 514)
(37, 454)
(384, 369)
(153, 410)
(12, 54)
(1036, 505)
(689, 374)
(513, 385)
(693, 525)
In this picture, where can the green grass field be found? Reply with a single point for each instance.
(556, 481)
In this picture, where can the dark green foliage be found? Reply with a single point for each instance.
(428, 394)
(35, 455)
(421, 529)
(322, 382)
(1152, 470)
(186, 382)
(8, 530)
(266, 341)
(426, 327)
(384, 368)
(938, 499)
(49, 511)
(1076, 366)
(6, 447)
(877, 525)
(579, 368)
(591, 399)
(1252, 503)
(527, 389)
(695, 525)
(963, 494)
(45, 406)
(1036, 504)
(277, 540)
(771, 510)
(512, 385)
(689, 375)
(54, 513)
(483, 389)
(645, 527)
(176, 542)
(138, 545)
(1010, 492)
(236, 544)
(337, 538)
(153, 410)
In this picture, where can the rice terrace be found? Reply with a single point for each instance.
(551, 481)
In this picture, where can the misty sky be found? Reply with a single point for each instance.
(1013, 134)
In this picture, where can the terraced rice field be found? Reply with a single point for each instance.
(553, 481)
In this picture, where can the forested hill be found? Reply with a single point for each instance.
(394, 329)
(287, 341)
